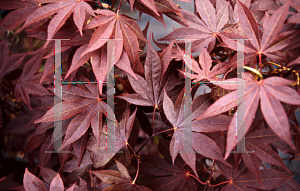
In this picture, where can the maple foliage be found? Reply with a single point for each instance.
(149, 90)
(90, 106)
(169, 176)
(205, 73)
(270, 42)
(203, 31)
(176, 119)
(63, 10)
(270, 94)
(120, 179)
(99, 150)
(242, 179)
(186, 140)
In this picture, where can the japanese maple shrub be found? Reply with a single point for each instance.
(162, 131)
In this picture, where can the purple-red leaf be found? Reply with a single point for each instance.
(119, 180)
(57, 183)
(271, 107)
(248, 24)
(32, 183)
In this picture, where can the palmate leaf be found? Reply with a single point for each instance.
(16, 17)
(100, 64)
(203, 32)
(122, 28)
(170, 177)
(52, 178)
(124, 31)
(63, 9)
(204, 71)
(101, 153)
(149, 90)
(156, 85)
(89, 107)
(28, 82)
(270, 91)
(243, 180)
(119, 180)
(187, 140)
(9, 63)
(271, 41)
(258, 142)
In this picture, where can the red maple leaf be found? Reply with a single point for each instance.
(170, 177)
(28, 82)
(149, 90)
(63, 10)
(202, 32)
(269, 43)
(240, 179)
(87, 103)
(122, 28)
(204, 71)
(119, 180)
(270, 91)
(188, 139)
(118, 137)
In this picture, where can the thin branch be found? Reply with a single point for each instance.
(203, 183)
(153, 135)
(260, 63)
(212, 170)
(138, 163)
(219, 183)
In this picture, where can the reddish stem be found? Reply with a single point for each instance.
(217, 59)
(218, 38)
(99, 3)
(138, 163)
(154, 134)
(113, 3)
(153, 116)
(163, 132)
(120, 5)
(197, 179)
(208, 182)
(160, 126)
(219, 183)
(227, 73)
(260, 63)
(137, 171)
(212, 170)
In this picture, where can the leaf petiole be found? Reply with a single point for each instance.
(154, 134)
(138, 163)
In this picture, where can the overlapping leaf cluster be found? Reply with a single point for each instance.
(162, 132)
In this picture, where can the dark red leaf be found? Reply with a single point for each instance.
(118, 137)
(120, 180)
(57, 183)
(32, 183)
